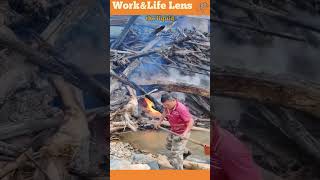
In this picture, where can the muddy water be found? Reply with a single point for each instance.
(154, 141)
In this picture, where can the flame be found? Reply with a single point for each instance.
(149, 108)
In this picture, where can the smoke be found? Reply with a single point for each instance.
(177, 76)
(180, 96)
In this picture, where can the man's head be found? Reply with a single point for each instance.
(168, 100)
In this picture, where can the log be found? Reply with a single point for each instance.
(124, 33)
(292, 93)
(176, 87)
(201, 102)
(115, 129)
(121, 123)
(131, 67)
(194, 165)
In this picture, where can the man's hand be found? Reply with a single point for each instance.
(157, 125)
(184, 134)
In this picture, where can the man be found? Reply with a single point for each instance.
(231, 160)
(181, 123)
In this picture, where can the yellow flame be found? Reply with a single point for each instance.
(150, 109)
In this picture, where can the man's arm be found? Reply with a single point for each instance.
(189, 126)
(163, 116)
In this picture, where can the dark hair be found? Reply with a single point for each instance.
(167, 96)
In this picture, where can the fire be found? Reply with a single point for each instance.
(149, 108)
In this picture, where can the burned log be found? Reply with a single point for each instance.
(176, 87)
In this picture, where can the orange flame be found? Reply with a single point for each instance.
(150, 110)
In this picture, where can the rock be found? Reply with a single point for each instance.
(139, 167)
(198, 159)
(119, 164)
(164, 162)
(121, 150)
(142, 158)
(154, 165)
(194, 165)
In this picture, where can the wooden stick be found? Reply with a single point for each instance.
(189, 139)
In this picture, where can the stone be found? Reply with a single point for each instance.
(164, 162)
(139, 167)
(119, 164)
(154, 165)
(142, 158)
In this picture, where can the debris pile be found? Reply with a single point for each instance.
(148, 58)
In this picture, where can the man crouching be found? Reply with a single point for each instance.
(181, 123)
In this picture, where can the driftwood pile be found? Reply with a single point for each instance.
(142, 55)
(41, 139)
